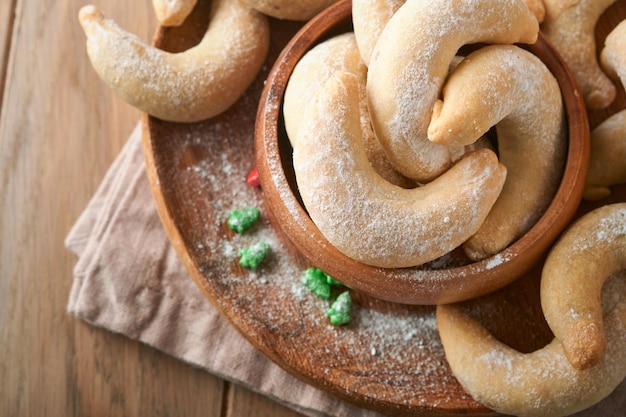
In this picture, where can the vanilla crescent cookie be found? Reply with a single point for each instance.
(317, 65)
(544, 383)
(339, 53)
(513, 90)
(608, 139)
(172, 12)
(570, 27)
(290, 9)
(573, 275)
(369, 18)
(613, 55)
(410, 63)
(537, 8)
(606, 158)
(366, 217)
(189, 86)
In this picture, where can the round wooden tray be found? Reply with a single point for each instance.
(389, 358)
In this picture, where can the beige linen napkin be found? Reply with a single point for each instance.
(143, 291)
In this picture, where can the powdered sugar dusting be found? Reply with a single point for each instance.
(541, 382)
(398, 346)
(497, 260)
(404, 82)
(368, 218)
(607, 228)
(191, 85)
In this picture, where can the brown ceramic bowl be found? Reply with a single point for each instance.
(424, 284)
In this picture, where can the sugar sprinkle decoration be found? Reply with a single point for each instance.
(243, 219)
(340, 311)
(252, 256)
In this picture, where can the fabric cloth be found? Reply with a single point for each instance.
(144, 292)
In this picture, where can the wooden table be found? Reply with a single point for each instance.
(60, 128)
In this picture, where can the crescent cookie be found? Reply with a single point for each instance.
(317, 65)
(537, 8)
(606, 158)
(364, 216)
(573, 275)
(369, 18)
(339, 53)
(544, 383)
(172, 12)
(189, 86)
(411, 61)
(513, 90)
(570, 27)
(608, 140)
(290, 9)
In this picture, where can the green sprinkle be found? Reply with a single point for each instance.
(252, 256)
(339, 312)
(315, 280)
(243, 219)
(319, 282)
(332, 281)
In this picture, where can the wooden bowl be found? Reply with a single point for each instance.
(424, 284)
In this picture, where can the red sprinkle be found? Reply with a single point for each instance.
(253, 178)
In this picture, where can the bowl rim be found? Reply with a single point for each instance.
(412, 285)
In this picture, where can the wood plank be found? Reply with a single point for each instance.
(243, 402)
(6, 27)
(60, 129)
(6, 17)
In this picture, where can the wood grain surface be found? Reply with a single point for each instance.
(60, 129)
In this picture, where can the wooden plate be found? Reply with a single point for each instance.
(389, 358)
